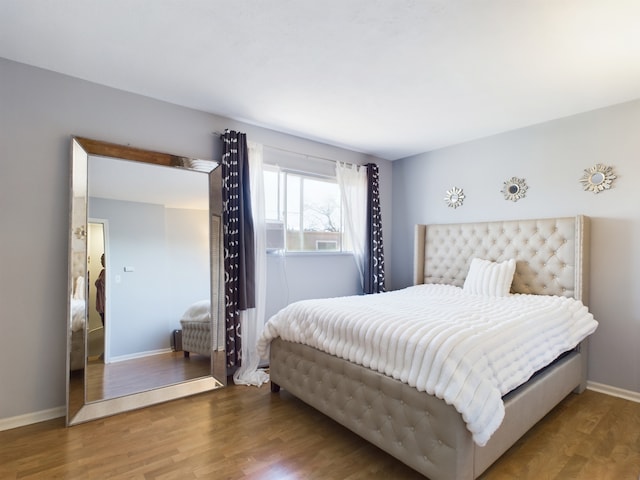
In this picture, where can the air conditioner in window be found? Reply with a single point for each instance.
(275, 236)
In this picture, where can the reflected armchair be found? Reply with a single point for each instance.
(196, 329)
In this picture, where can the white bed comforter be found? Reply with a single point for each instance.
(468, 350)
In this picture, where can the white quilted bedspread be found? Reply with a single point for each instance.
(468, 350)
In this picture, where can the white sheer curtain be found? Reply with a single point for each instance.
(352, 180)
(252, 320)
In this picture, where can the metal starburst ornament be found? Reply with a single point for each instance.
(514, 189)
(454, 197)
(598, 178)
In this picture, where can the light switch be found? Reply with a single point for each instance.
(129, 269)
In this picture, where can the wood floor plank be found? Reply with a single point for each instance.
(132, 376)
(249, 433)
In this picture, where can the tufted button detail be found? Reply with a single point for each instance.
(531, 243)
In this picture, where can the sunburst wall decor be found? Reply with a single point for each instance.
(598, 178)
(454, 197)
(514, 189)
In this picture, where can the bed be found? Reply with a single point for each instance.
(551, 259)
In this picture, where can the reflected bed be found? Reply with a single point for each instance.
(77, 325)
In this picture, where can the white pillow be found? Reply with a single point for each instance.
(490, 278)
(199, 311)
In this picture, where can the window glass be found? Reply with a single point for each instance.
(293, 212)
(311, 210)
(271, 201)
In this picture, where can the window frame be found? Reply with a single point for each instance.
(282, 209)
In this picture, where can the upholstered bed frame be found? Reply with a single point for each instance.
(421, 430)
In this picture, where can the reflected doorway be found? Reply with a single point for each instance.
(96, 337)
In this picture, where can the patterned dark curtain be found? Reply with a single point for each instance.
(374, 251)
(238, 240)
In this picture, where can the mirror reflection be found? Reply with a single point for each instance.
(597, 178)
(157, 240)
(144, 273)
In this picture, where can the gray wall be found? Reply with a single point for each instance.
(168, 249)
(187, 247)
(296, 277)
(39, 111)
(137, 303)
(552, 158)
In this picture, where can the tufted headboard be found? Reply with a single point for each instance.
(552, 254)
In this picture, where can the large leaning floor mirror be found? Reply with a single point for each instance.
(145, 322)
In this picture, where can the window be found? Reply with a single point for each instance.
(309, 208)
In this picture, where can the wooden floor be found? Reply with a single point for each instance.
(141, 374)
(249, 433)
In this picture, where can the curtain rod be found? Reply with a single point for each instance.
(298, 153)
(306, 155)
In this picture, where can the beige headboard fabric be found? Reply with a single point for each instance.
(552, 254)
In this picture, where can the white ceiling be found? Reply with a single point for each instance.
(390, 78)
(124, 180)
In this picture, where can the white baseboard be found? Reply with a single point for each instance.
(614, 391)
(29, 418)
(132, 356)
